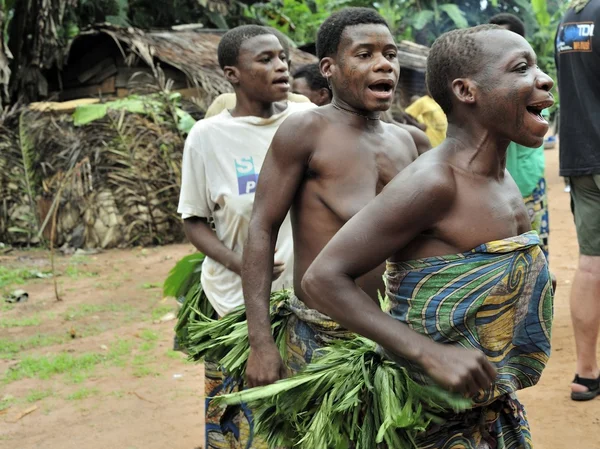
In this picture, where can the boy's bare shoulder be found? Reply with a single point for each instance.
(297, 136)
(430, 174)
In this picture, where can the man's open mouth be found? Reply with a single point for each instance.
(284, 80)
(537, 108)
(382, 86)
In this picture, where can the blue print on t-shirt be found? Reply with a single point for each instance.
(246, 175)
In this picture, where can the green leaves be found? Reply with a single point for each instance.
(455, 13)
(422, 18)
(349, 393)
(540, 9)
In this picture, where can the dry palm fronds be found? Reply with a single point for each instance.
(120, 176)
(18, 220)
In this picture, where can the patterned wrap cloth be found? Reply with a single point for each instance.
(496, 298)
(232, 427)
(537, 208)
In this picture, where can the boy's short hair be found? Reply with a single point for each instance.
(455, 54)
(312, 74)
(283, 40)
(513, 23)
(229, 47)
(330, 31)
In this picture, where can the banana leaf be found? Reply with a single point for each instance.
(184, 284)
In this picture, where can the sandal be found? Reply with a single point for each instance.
(593, 386)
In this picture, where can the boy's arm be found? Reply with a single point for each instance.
(280, 175)
(412, 203)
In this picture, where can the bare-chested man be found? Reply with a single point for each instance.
(324, 165)
(468, 285)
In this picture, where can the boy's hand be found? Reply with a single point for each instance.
(458, 369)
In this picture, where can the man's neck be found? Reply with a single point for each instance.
(245, 107)
(478, 151)
(355, 117)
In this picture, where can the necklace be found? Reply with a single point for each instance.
(339, 108)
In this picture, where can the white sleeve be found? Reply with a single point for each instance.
(194, 197)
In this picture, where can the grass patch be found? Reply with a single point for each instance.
(20, 322)
(118, 352)
(160, 311)
(108, 285)
(36, 341)
(78, 377)
(38, 395)
(83, 310)
(175, 355)
(83, 393)
(148, 335)
(74, 272)
(140, 368)
(6, 403)
(45, 367)
(149, 285)
(10, 276)
(6, 307)
(144, 371)
(147, 346)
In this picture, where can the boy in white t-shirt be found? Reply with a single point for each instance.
(222, 159)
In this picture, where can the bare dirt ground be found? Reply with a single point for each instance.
(96, 371)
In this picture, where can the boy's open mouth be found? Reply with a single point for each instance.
(537, 108)
(382, 86)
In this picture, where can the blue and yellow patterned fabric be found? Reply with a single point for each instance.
(496, 298)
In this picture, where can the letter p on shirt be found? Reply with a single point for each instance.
(246, 175)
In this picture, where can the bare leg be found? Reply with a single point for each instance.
(585, 315)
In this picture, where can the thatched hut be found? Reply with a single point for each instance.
(112, 61)
(114, 181)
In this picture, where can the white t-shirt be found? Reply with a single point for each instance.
(222, 158)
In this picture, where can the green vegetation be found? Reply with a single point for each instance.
(147, 346)
(83, 310)
(6, 402)
(83, 393)
(160, 311)
(38, 395)
(148, 335)
(10, 347)
(74, 272)
(78, 367)
(18, 276)
(149, 285)
(175, 355)
(45, 367)
(20, 322)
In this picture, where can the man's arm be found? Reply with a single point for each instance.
(205, 240)
(280, 176)
(419, 137)
(412, 203)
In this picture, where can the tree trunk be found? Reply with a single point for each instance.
(37, 42)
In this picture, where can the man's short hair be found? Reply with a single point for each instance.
(229, 47)
(455, 54)
(312, 74)
(330, 31)
(513, 23)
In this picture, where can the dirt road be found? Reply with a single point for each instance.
(95, 371)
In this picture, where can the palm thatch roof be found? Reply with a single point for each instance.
(190, 51)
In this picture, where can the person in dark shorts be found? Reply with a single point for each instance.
(578, 64)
